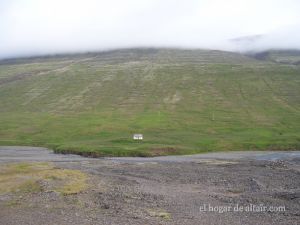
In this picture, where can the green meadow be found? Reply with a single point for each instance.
(182, 101)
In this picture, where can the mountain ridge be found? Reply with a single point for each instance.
(183, 101)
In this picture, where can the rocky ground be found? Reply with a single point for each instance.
(216, 188)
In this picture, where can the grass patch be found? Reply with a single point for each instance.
(37, 177)
(159, 213)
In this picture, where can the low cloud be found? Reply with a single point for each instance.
(33, 27)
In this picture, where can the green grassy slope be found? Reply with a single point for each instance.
(183, 101)
(280, 56)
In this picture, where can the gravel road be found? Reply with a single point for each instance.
(212, 188)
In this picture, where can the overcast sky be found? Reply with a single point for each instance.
(34, 27)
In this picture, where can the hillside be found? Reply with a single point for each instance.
(280, 56)
(182, 101)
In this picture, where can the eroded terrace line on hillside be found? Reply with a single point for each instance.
(279, 99)
(22, 76)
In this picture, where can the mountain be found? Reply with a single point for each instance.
(282, 39)
(286, 56)
(182, 101)
(246, 40)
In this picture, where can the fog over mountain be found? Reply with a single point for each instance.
(33, 27)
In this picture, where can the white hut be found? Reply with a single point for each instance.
(137, 137)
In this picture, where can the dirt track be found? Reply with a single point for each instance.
(163, 190)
